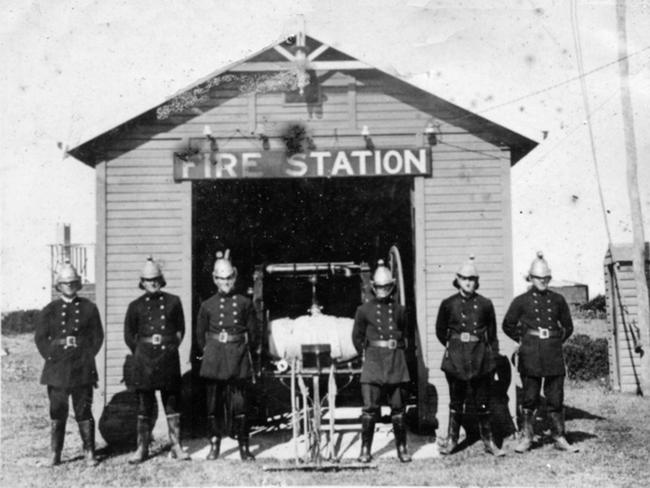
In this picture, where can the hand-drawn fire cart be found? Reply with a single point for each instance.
(308, 362)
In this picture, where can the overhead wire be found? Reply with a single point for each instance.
(477, 151)
(580, 77)
(550, 87)
(575, 29)
(572, 129)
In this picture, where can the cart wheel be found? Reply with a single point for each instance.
(395, 265)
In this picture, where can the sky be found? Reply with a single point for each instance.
(75, 68)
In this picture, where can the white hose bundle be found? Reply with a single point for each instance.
(286, 336)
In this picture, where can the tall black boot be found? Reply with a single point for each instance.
(215, 438)
(486, 435)
(399, 429)
(452, 432)
(144, 437)
(367, 433)
(87, 433)
(174, 426)
(557, 424)
(57, 435)
(527, 431)
(242, 438)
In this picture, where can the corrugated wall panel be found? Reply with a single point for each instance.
(149, 230)
(134, 188)
(143, 198)
(152, 181)
(138, 158)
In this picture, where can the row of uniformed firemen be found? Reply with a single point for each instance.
(69, 334)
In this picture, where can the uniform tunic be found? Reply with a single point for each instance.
(233, 314)
(474, 315)
(381, 319)
(530, 312)
(156, 366)
(72, 366)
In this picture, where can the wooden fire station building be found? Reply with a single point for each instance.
(298, 153)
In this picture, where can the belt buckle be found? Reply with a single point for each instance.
(70, 341)
(544, 333)
(156, 339)
(223, 336)
(392, 344)
(464, 337)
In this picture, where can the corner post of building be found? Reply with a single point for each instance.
(100, 278)
(186, 279)
(420, 285)
(641, 257)
(506, 346)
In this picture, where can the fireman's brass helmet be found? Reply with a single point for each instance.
(539, 267)
(152, 270)
(66, 273)
(223, 268)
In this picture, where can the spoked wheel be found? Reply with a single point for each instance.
(395, 265)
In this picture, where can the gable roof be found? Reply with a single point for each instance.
(280, 56)
(622, 253)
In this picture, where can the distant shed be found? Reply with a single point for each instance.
(573, 293)
(622, 307)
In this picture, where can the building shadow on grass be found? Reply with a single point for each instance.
(542, 417)
(573, 437)
(573, 413)
(543, 427)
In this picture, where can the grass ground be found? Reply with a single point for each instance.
(611, 430)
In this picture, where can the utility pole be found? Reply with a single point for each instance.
(639, 251)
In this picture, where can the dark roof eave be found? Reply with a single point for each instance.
(93, 151)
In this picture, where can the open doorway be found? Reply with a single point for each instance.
(303, 221)
(306, 220)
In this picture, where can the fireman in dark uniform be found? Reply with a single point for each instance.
(69, 335)
(467, 327)
(225, 333)
(379, 334)
(540, 321)
(154, 327)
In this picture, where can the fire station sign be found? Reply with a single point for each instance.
(333, 163)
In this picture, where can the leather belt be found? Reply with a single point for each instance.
(158, 339)
(544, 333)
(388, 344)
(225, 336)
(67, 342)
(465, 337)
